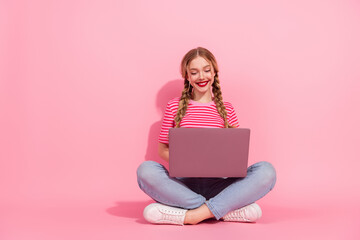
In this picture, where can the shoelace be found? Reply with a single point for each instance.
(238, 214)
(170, 215)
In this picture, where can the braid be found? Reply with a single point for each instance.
(219, 101)
(183, 103)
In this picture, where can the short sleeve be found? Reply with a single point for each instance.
(231, 116)
(167, 123)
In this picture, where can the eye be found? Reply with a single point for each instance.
(207, 70)
(193, 73)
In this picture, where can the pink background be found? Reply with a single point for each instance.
(83, 87)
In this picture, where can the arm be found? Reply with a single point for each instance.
(163, 151)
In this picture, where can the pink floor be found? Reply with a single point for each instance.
(123, 220)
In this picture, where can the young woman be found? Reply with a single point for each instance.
(191, 200)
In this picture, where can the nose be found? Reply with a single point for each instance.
(201, 75)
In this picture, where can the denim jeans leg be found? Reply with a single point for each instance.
(260, 179)
(153, 178)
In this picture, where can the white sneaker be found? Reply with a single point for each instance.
(249, 213)
(163, 214)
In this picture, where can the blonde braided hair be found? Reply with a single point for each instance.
(186, 94)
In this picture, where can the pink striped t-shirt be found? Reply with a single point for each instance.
(203, 115)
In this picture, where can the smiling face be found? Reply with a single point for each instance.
(200, 74)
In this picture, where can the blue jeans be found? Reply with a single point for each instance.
(221, 195)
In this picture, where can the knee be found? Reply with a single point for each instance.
(268, 174)
(147, 172)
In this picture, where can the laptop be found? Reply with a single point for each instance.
(208, 152)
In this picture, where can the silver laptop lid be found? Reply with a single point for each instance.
(208, 152)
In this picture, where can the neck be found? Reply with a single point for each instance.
(202, 97)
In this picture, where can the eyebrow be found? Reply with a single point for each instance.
(196, 68)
